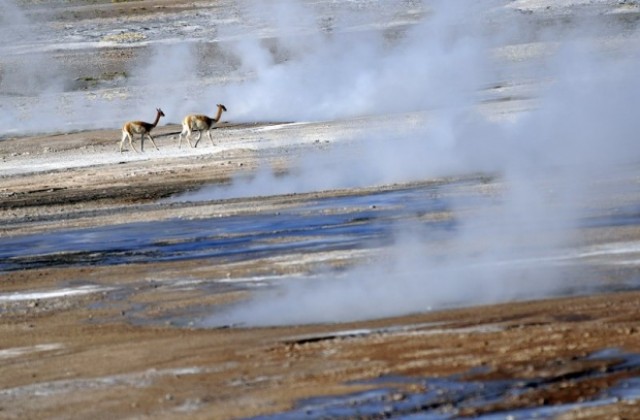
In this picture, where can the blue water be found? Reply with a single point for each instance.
(354, 222)
(443, 398)
(318, 224)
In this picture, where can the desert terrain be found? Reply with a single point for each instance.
(351, 244)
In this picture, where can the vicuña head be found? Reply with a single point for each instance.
(200, 123)
(140, 127)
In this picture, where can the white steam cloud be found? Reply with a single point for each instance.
(319, 75)
(550, 160)
(27, 71)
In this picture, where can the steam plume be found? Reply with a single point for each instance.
(550, 161)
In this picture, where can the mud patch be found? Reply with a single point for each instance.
(609, 375)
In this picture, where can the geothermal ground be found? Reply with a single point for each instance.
(231, 281)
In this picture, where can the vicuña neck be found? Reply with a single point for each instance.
(218, 115)
(157, 119)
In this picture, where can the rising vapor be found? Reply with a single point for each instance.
(549, 160)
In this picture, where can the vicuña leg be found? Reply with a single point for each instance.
(152, 141)
(131, 142)
(124, 137)
(186, 132)
(198, 139)
(189, 135)
(180, 137)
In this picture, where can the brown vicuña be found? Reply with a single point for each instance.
(199, 123)
(140, 127)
